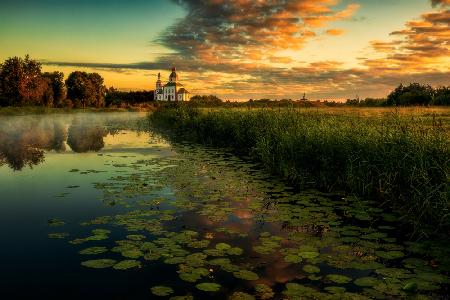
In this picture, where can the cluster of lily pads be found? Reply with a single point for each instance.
(239, 223)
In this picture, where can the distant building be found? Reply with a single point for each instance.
(172, 90)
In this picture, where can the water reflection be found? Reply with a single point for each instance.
(86, 137)
(25, 140)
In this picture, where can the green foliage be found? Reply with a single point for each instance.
(115, 97)
(413, 94)
(56, 93)
(205, 100)
(86, 89)
(395, 159)
(442, 96)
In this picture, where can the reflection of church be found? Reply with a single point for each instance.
(171, 91)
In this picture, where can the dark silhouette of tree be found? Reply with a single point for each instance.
(115, 97)
(442, 96)
(55, 81)
(21, 82)
(413, 94)
(87, 89)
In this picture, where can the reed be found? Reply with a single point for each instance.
(402, 160)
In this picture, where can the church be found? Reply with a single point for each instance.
(172, 90)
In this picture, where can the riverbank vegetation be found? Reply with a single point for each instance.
(401, 159)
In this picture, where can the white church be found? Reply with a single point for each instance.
(172, 90)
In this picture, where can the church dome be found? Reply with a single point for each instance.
(173, 76)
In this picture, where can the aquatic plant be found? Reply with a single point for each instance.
(398, 159)
(99, 263)
(161, 290)
(208, 286)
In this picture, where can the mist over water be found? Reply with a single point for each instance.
(24, 140)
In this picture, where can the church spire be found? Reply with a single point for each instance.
(173, 76)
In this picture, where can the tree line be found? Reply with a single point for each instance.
(22, 83)
(412, 94)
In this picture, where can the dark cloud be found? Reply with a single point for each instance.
(440, 2)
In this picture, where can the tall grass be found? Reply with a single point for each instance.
(399, 160)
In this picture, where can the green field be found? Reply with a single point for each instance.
(400, 156)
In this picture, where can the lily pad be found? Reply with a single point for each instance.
(246, 275)
(190, 274)
(208, 286)
(309, 255)
(223, 246)
(55, 222)
(93, 250)
(389, 254)
(366, 281)
(311, 269)
(336, 278)
(161, 290)
(264, 291)
(292, 258)
(132, 253)
(101, 231)
(99, 263)
(297, 291)
(235, 251)
(127, 264)
(58, 235)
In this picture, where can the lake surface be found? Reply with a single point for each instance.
(101, 206)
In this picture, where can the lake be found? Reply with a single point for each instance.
(103, 206)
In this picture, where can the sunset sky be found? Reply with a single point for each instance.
(238, 49)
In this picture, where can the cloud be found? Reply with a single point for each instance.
(335, 32)
(246, 30)
(422, 46)
(237, 49)
(440, 2)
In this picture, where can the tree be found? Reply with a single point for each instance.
(21, 82)
(55, 81)
(86, 88)
(442, 96)
(413, 94)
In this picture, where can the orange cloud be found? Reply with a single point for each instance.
(335, 32)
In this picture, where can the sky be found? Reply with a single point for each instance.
(238, 49)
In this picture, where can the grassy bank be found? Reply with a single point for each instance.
(37, 110)
(400, 158)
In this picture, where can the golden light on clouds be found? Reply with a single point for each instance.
(241, 49)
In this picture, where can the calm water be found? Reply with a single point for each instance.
(99, 206)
